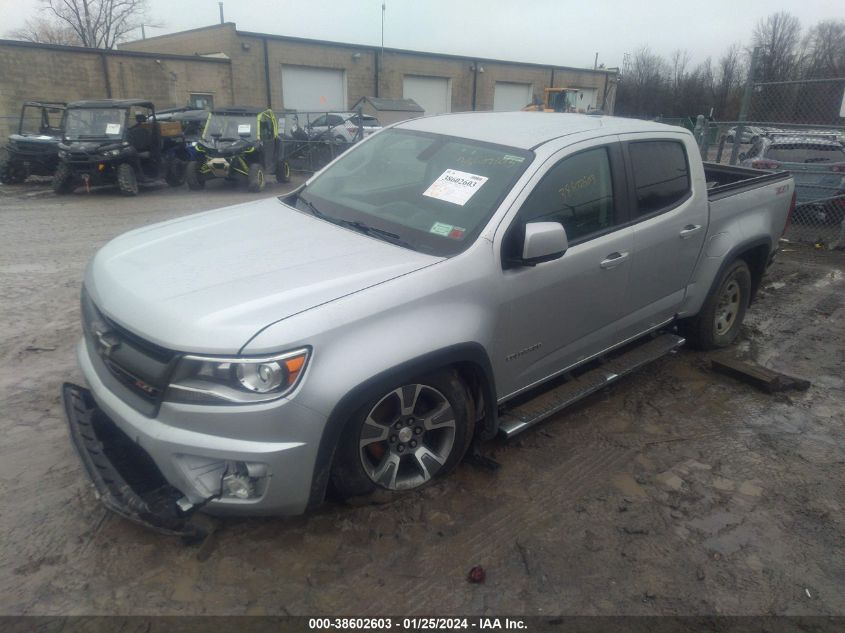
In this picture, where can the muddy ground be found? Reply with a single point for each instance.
(676, 491)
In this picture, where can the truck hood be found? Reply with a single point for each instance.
(209, 282)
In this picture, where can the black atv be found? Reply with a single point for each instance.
(240, 144)
(34, 150)
(118, 142)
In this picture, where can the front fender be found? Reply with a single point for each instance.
(378, 385)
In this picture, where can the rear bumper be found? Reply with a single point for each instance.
(148, 500)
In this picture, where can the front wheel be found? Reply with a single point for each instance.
(720, 319)
(127, 181)
(193, 176)
(63, 180)
(255, 177)
(404, 438)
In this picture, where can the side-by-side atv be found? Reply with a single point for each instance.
(34, 150)
(118, 142)
(240, 144)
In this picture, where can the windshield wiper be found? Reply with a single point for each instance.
(356, 225)
(314, 210)
(373, 231)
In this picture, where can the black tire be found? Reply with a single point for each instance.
(127, 182)
(445, 436)
(12, 173)
(193, 177)
(283, 171)
(175, 176)
(255, 178)
(718, 323)
(64, 181)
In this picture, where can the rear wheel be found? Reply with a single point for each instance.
(63, 179)
(193, 176)
(283, 171)
(720, 319)
(404, 438)
(127, 181)
(12, 173)
(255, 178)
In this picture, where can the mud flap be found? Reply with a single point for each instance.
(125, 478)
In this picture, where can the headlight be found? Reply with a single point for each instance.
(205, 380)
(113, 152)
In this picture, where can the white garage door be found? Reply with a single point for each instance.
(586, 99)
(432, 93)
(508, 96)
(305, 88)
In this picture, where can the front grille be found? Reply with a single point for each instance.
(140, 366)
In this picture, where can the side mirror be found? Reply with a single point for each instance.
(544, 241)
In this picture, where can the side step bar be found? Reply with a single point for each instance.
(527, 414)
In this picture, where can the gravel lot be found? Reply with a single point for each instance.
(676, 491)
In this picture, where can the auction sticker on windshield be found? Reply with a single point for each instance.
(244, 128)
(113, 128)
(455, 186)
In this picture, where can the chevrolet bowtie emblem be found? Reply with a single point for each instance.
(107, 341)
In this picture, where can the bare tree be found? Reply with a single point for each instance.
(93, 23)
(825, 50)
(727, 82)
(779, 38)
(46, 31)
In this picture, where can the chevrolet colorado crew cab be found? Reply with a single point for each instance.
(447, 279)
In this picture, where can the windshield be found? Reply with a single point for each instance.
(95, 123)
(230, 127)
(434, 193)
(804, 153)
(41, 121)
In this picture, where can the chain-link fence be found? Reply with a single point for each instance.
(793, 126)
(311, 140)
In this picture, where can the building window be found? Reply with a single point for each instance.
(201, 101)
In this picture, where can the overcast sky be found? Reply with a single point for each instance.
(562, 32)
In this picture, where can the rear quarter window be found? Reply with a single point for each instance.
(661, 175)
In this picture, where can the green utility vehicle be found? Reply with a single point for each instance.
(240, 144)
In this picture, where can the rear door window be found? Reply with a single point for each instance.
(661, 175)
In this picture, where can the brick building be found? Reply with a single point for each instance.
(294, 73)
(222, 66)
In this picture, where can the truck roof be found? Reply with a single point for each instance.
(527, 130)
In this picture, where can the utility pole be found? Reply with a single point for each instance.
(746, 102)
(596, 63)
(383, 9)
(143, 33)
(221, 12)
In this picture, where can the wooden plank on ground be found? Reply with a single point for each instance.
(764, 379)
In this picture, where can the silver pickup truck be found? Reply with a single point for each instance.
(447, 279)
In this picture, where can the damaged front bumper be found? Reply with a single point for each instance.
(125, 477)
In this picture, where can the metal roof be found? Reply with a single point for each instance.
(110, 103)
(526, 130)
(384, 104)
(239, 110)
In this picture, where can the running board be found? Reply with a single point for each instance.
(527, 414)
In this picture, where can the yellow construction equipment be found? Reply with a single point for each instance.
(556, 100)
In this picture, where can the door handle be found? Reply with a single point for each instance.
(613, 260)
(689, 230)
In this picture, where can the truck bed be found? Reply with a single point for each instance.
(728, 180)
